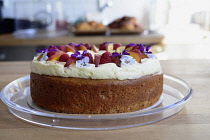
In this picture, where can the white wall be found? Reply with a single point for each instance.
(74, 9)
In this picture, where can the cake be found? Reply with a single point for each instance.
(85, 79)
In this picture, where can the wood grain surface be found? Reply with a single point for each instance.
(192, 123)
(10, 40)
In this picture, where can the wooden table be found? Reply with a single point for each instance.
(10, 40)
(192, 123)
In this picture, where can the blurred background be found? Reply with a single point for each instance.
(177, 29)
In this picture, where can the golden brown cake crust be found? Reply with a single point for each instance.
(95, 96)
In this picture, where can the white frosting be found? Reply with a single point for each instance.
(104, 71)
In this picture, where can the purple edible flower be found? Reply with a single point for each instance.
(147, 49)
(71, 44)
(53, 50)
(42, 51)
(78, 55)
(52, 46)
(131, 44)
(77, 45)
(141, 47)
(125, 52)
(115, 54)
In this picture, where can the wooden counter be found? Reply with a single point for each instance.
(192, 123)
(10, 40)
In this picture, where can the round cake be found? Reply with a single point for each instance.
(85, 79)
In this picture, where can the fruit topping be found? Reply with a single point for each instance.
(62, 48)
(144, 56)
(52, 48)
(82, 48)
(94, 49)
(70, 61)
(116, 45)
(89, 55)
(88, 46)
(135, 56)
(56, 56)
(70, 49)
(106, 58)
(102, 46)
(123, 54)
(137, 51)
(120, 49)
(129, 45)
(97, 60)
(50, 53)
(40, 56)
(116, 59)
(64, 57)
(72, 45)
(109, 47)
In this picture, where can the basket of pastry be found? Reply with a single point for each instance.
(125, 25)
(89, 28)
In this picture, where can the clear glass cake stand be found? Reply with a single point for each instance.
(175, 95)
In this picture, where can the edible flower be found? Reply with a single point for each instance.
(127, 60)
(130, 45)
(83, 63)
(78, 55)
(42, 50)
(144, 49)
(77, 45)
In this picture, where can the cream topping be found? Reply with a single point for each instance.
(104, 71)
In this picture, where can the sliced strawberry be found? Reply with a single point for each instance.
(116, 45)
(88, 46)
(106, 58)
(51, 53)
(90, 57)
(97, 60)
(62, 48)
(70, 61)
(64, 57)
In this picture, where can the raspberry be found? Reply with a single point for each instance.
(64, 57)
(90, 57)
(102, 46)
(116, 46)
(50, 53)
(88, 46)
(106, 58)
(62, 48)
